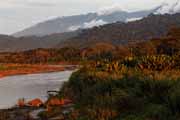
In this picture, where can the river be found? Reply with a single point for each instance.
(29, 86)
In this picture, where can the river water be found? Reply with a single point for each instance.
(29, 86)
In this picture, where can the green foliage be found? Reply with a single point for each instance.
(43, 115)
(2, 67)
(134, 97)
(157, 111)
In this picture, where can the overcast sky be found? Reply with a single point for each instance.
(16, 15)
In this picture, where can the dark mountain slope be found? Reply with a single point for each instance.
(12, 44)
(153, 26)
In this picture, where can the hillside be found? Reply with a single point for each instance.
(153, 26)
(168, 45)
(12, 44)
(71, 23)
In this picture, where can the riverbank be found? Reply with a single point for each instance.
(30, 87)
(16, 114)
(21, 69)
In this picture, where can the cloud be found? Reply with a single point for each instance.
(133, 19)
(40, 4)
(86, 25)
(177, 7)
(27, 3)
(73, 28)
(94, 23)
(110, 9)
(169, 7)
(28, 12)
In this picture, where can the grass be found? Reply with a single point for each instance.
(130, 97)
(110, 91)
(2, 67)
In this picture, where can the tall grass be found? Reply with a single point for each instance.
(131, 97)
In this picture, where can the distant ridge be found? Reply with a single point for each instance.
(71, 23)
(153, 26)
(119, 33)
(13, 44)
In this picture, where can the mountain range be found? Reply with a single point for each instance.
(12, 44)
(152, 26)
(72, 23)
(115, 27)
(84, 21)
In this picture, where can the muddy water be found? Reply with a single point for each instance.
(29, 86)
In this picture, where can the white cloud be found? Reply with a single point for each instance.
(94, 23)
(14, 3)
(22, 3)
(25, 13)
(85, 25)
(133, 19)
(73, 28)
(110, 9)
(169, 7)
(177, 7)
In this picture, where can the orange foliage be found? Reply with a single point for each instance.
(35, 103)
(58, 102)
(16, 69)
(21, 103)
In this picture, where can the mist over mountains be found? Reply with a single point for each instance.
(104, 16)
(169, 7)
(118, 33)
(72, 23)
(112, 25)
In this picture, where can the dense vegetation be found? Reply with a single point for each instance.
(168, 45)
(38, 56)
(143, 85)
(101, 95)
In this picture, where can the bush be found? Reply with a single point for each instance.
(148, 98)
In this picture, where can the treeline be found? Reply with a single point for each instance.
(169, 45)
(42, 56)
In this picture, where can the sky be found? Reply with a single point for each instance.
(15, 15)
